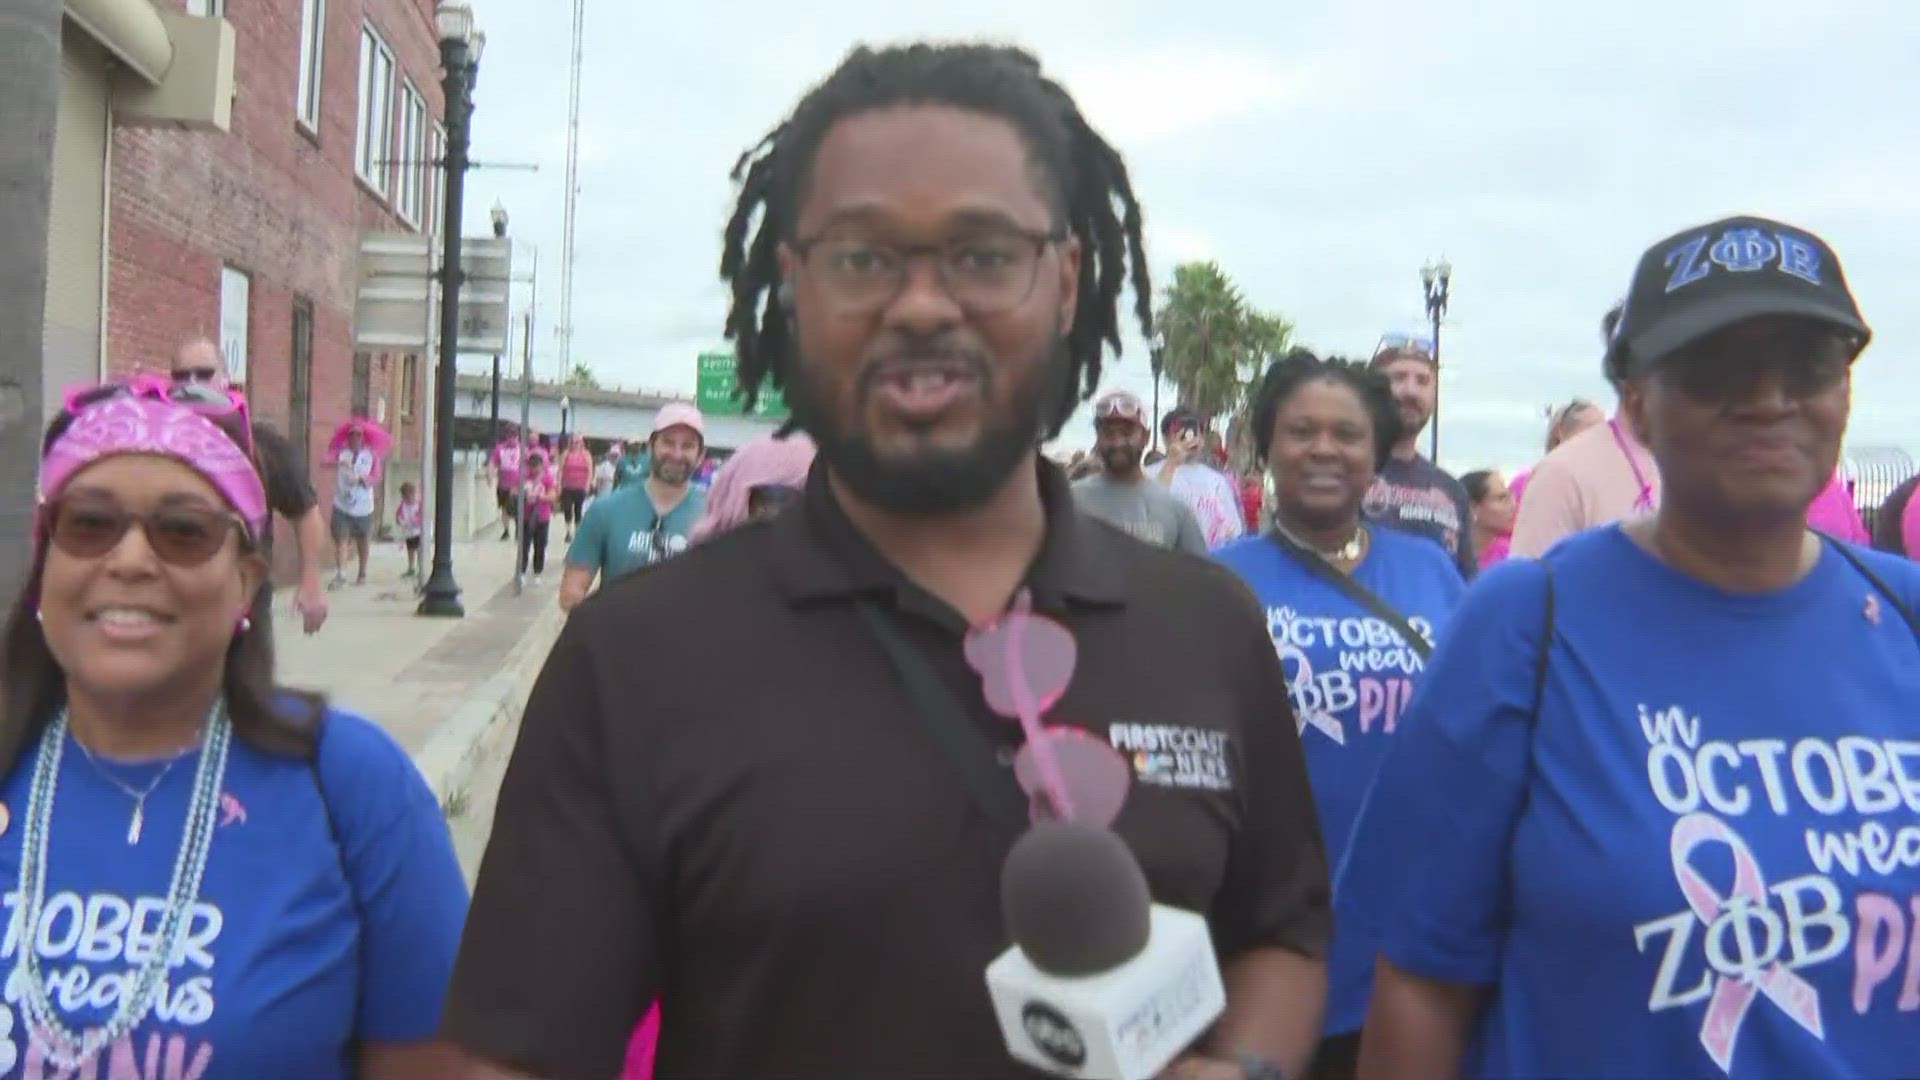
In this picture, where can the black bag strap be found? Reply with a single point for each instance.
(1546, 641)
(1879, 584)
(1356, 592)
(968, 750)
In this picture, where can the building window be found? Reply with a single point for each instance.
(373, 155)
(313, 24)
(415, 153)
(205, 8)
(362, 384)
(409, 384)
(235, 310)
(300, 378)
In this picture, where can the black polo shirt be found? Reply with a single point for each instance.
(719, 797)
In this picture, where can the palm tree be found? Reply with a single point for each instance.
(1215, 343)
(29, 110)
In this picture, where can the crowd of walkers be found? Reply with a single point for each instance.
(1640, 798)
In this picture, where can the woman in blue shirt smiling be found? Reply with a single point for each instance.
(1655, 811)
(1352, 608)
(208, 878)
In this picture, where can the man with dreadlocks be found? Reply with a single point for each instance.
(786, 816)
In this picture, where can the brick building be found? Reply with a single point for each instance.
(251, 235)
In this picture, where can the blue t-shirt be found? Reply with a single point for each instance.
(298, 946)
(622, 532)
(1349, 676)
(1702, 859)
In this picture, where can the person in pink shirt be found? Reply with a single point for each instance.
(1597, 477)
(1832, 512)
(1910, 528)
(1563, 423)
(540, 486)
(576, 476)
(1493, 514)
(504, 463)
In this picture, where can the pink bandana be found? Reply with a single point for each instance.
(146, 425)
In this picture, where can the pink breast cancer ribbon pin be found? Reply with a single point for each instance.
(1733, 993)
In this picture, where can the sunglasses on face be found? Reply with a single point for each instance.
(195, 374)
(1025, 662)
(181, 535)
(1803, 360)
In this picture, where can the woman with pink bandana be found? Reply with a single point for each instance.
(282, 881)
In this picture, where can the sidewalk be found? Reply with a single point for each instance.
(448, 690)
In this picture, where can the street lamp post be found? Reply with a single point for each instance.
(1156, 360)
(460, 48)
(566, 408)
(493, 411)
(1436, 278)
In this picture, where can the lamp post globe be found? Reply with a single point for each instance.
(460, 46)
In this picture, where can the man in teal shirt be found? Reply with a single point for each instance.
(640, 524)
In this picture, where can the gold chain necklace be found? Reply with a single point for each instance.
(1347, 552)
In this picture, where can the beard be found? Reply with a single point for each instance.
(672, 473)
(1121, 460)
(936, 480)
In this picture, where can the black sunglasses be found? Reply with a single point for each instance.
(1806, 358)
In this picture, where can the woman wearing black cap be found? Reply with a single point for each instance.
(1655, 810)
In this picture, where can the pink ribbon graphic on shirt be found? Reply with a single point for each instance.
(1733, 994)
(1304, 694)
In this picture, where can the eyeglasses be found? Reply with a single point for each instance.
(226, 408)
(984, 272)
(1804, 359)
(182, 536)
(1025, 662)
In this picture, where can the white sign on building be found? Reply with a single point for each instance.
(235, 290)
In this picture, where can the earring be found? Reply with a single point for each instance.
(784, 295)
(245, 624)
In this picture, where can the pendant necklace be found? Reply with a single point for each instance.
(139, 797)
(65, 1048)
(1347, 552)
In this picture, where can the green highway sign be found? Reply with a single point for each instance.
(714, 385)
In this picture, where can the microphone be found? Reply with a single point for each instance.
(1101, 983)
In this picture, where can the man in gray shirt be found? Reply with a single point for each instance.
(1120, 494)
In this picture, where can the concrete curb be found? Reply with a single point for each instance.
(484, 728)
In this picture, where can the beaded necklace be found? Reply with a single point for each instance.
(65, 1049)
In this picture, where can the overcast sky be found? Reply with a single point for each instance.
(1319, 151)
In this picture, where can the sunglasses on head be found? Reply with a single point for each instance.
(1401, 342)
(227, 409)
(1025, 662)
(183, 535)
(1119, 407)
